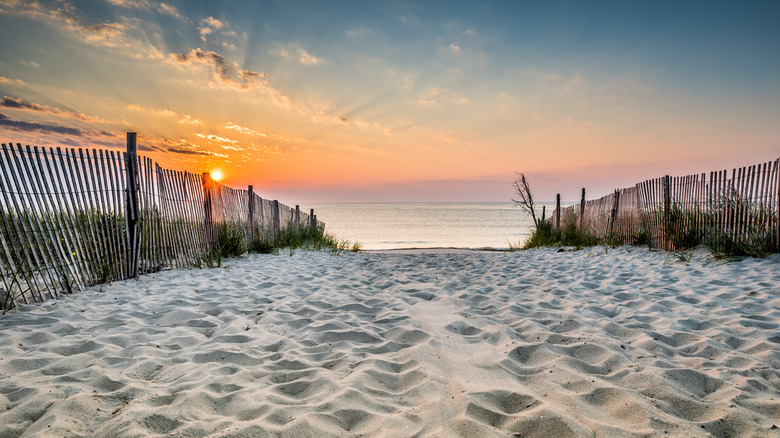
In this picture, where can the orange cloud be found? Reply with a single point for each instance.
(183, 119)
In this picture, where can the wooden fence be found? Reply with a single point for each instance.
(675, 211)
(74, 218)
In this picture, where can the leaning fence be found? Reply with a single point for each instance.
(73, 218)
(674, 212)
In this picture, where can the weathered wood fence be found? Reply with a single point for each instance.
(677, 210)
(75, 218)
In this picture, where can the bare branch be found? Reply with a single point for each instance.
(526, 200)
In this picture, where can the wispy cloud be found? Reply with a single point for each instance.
(208, 26)
(182, 119)
(224, 142)
(66, 17)
(48, 128)
(300, 55)
(165, 8)
(454, 49)
(307, 58)
(5, 80)
(226, 72)
(243, 130)
(162, 8)
(186, 147)
(19, 104)
(324, 117)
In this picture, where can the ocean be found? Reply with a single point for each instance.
(385, 225)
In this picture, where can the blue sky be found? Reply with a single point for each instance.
(318, 101)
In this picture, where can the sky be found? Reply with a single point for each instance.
(313, 101)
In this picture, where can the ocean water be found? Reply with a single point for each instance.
(426, 225)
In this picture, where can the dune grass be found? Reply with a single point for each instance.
(545, 235)
(683, 230)
(312, 239)
(230, 240)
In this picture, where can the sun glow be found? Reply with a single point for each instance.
(216, 175)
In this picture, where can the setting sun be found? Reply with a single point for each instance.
(216, 175)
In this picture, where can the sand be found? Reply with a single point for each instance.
(406, 344)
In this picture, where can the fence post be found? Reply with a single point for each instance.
(277, 218)
(251, 224)
(667, 211)
(615, 204)
(312, 223)
(297, 217)
(582, 208)
(558, 212)
(208, 219)
(544, 207)
(131, 213)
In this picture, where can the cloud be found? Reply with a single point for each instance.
(167, 9)
(324, 117)
(176, 150)
(308, 59)
(243, 130)
(19, 104)
(185, 147)
(226, 73)
(106, 34)
(182, 119)
(231, 144)
(454, 49)
(301, 56)
(208, 26)
(47, 128)
(230, 76)
(213, 23)
(5, 80)
(162, 8)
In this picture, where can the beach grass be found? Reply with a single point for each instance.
(545, 235)
(684, 230)
(292, 239)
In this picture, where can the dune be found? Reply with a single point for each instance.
(438, 343)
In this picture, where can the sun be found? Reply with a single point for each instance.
(216, 175)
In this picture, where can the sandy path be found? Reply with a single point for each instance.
(449, 343)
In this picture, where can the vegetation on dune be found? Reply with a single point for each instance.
(545, 235)
(734, 228)
(312, 239)
(230, 243)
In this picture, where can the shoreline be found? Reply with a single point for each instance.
(457, 343)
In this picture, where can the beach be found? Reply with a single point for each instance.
(436, 343)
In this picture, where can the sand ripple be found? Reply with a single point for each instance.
(471, 344)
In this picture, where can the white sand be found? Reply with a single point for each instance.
(447, 344)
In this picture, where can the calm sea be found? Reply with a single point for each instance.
(425, 225)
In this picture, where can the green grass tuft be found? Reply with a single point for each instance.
(544, 235)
